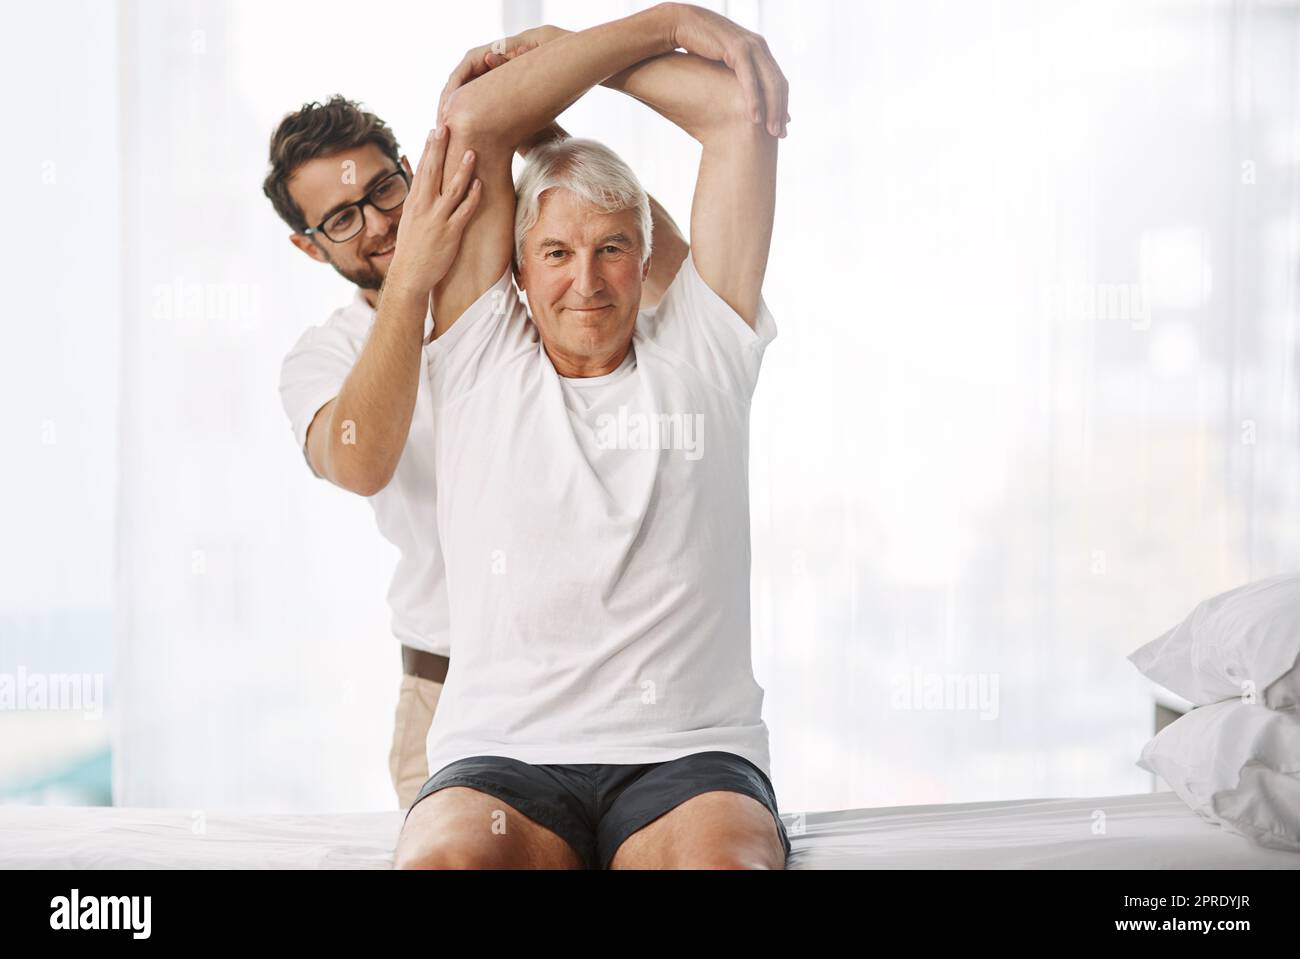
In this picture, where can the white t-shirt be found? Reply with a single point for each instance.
(596, 535)
(310, 376)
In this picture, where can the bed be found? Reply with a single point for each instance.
(1145, 831)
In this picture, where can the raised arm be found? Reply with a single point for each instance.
(498, 108)
(735, 111)
(494, 112)
(356, 439)
(735, 190)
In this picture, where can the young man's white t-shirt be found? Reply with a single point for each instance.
(310, 376)
(596, 537)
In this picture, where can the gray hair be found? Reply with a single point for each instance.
(592, 171)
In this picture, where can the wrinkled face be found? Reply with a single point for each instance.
(582, 272)
(323, 185)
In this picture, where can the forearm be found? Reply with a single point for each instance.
(513, 101)
(372, 414)
(697, 95)
(732, 212)
(690, 91)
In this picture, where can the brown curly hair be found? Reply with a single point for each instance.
(316, 130)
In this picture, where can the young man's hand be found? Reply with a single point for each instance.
(433, 222)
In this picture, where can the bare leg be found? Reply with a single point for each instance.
(714, 830)
(463, 828)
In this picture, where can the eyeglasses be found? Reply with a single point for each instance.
(342, 225)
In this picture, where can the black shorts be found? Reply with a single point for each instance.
(595, 806)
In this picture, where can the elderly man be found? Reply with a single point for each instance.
(601, 709)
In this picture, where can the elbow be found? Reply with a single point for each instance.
(368, 490)
(462, 111)
(362, 482)
(731, 128)
(369, 486)
(726, 118)
(471, 122)
(733, 111)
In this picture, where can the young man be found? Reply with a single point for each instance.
(602, 699)
(354, 387)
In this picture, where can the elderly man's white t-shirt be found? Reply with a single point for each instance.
(311, 375)
(596, 537)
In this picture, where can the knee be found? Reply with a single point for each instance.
(728, 861)
(732, 858)
(433, 855)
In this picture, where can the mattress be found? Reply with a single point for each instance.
(1145, 831)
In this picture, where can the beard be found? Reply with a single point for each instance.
(367, 276)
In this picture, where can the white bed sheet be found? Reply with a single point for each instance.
(1145, 831)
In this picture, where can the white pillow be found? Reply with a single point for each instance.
(1236, 764)
(1248, 633)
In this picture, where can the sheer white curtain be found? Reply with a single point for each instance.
(58, 387)
(1034, 392)
(254, 658)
